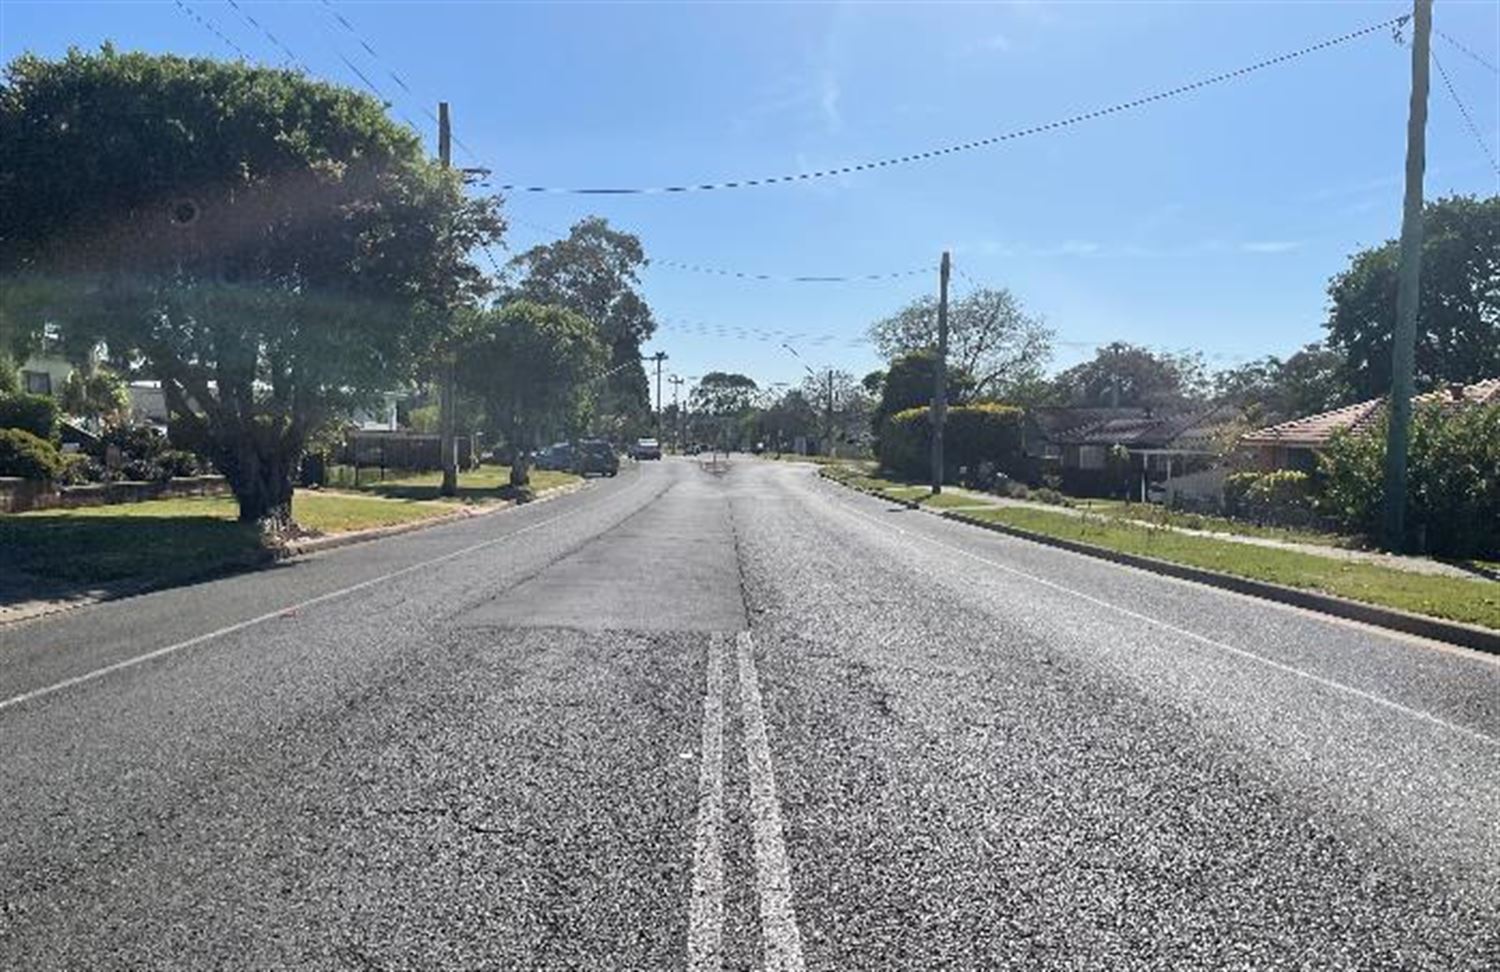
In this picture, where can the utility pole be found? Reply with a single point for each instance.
(828, 416)
(677, 381)
(658, 357)
(447, 441)
(1408, 281)
(940, 379)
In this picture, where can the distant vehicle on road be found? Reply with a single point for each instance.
(595, 456)
(558, 457)
(645, 449)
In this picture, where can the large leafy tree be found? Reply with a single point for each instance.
(1271, 389)
(1127, 375)
(1458, 308)
(534, 368)
(594, 272)
(271, 248)
(990, 336)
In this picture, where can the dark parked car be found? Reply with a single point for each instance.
(646, 449)
(595, 456)
(558, 457)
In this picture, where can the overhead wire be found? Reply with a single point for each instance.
(969, 146)
(245, 15)
(1484, 145)
(212, 28)
(1476, 57)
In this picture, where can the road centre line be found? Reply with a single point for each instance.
(1192, 635)
(706, 911)
(778, 920)
(132, 662)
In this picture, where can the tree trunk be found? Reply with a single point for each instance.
(520, 469)
(262, 484)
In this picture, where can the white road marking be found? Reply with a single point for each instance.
(135, 660)
(1393, 706)
(773, 878)
(706, 913)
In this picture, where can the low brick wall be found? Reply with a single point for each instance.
(20, 495)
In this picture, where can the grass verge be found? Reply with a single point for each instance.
(486, 484)
(1151, 513)
(1452, 598)
(169, 541)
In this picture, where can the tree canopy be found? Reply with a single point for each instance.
(1458, 310)
(273, 249)
(1127, 375)
(990, 336)
(534, 367)
(594, 272)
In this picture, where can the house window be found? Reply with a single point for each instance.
(37, 382)
(1091, 457)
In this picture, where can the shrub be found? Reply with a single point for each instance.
(135, 442)
(973, 434)
(178, 462)
(1049, 495)
(28, 456)
(79, 469)
(1453, 481)
(1282, 496)
(36, 414)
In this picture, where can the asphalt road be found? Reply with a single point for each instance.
(737, 720)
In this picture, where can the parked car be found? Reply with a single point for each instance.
(558, 457)
(645, 449)
(595, 456)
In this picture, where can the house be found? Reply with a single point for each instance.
(1296, 444)
(44, 374)
(1159, 445)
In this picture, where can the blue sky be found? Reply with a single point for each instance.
(1210, 221)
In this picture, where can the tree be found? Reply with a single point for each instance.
(533, 366)
(1272, 390)
(990, 336)
(96, 395)
(273, 249)
(909, 384)
(1458, 309)
(721, 403)
(594, 272)
(1126, 375)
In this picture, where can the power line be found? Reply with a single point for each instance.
(275, 41)
(1479, 59)
(1484, 146)
(211, 28)
(1019, 133)
(800, 278)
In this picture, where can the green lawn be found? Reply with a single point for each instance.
(168, 541)
(944, 501)
(1153, 513)
(487, 484)
(1457, 599)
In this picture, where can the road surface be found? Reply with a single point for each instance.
(737, 720)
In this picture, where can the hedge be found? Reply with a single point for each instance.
(27, 456)
(973, 434)
(36, 414)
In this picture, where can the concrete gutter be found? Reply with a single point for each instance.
(1393, 619)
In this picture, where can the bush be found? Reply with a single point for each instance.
(28, 456)
(178, 462)
(1453, 481)
(973, 434)
(79, 470)
(1282, 496)
(135, 442)
(36, 414)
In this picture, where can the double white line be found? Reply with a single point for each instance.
(778, 920)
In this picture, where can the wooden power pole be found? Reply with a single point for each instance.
(1408, 282)
(447, 441)
(658, 357)
(940, 379)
